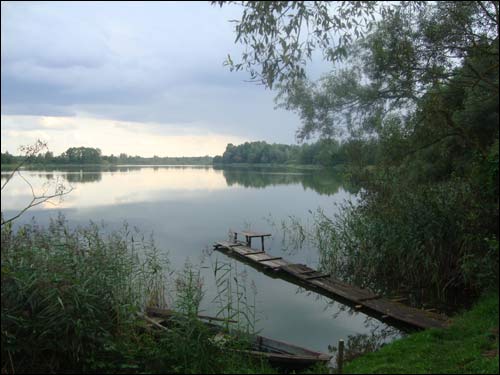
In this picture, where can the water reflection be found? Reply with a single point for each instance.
(324, 182)
(321, 181)
(113, 185)
(83, 177)
(190, 208)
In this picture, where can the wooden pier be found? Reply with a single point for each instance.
(389, 311)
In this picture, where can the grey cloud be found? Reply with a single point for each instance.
(143, 62)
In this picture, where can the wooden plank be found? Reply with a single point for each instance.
(160, 315)
(152, 321)
(265, 260)
(298, 269)
(258, 257)
(255, 252)
(271, 265)
(228, 244)
(407, 314)
(253, 234)
(402, 299)
(376, 296)
(352, 294)
(285, 347)
(306, 272)
(277, 262)
(243, 250)
(321, 276)
(361, 299)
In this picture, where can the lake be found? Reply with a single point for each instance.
(188, 208)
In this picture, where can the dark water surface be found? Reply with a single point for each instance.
(188, 208)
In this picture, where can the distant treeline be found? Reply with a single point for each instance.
(326, 152)
(89, 155)
(323, 181)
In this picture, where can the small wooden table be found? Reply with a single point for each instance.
(250, 235)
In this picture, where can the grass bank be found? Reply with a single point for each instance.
(468, 346)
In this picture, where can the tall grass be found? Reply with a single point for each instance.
(71, 298)
(432, 241)
(67, 293)
(234, 299)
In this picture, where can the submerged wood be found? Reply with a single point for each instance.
(391, 312)
(167, 313)
(278, 353)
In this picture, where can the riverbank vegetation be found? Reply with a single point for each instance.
(469, 346)
(418, 91)
(322, 181)
(71, 298)
(324, 152)
(417, 96)
(93, 156)
(420, 82)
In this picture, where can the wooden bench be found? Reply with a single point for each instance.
(249, 235)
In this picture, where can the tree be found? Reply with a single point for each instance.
(48, 157)
(396, 53)
(7, 158)
(83, 155)
(417, 96)
(58, 190)
(281, 35)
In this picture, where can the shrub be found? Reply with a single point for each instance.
(434, 237)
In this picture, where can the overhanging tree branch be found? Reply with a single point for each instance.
(59, 190)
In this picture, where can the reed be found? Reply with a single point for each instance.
(71, 298)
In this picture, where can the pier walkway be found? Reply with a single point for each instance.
(389, 311)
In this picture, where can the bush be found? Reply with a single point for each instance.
(434, 237)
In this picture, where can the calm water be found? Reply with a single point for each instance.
(189, 208)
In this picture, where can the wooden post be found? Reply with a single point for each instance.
(340, 357)
(262, 238)
(235, 237)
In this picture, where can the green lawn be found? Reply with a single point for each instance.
(467, 346)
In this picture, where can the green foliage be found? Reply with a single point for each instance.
(325, 152)
(189, 291)
(258, 152)
(7, 158)
(233, 300)
(417, 96)
(82, 155)
(282, 35)
(422, 230)
(322, 181)
(68, 295)
(158, 160)
(70, 299)
(361, 344)
(93, 156)
(469, 346)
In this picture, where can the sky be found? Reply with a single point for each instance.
(144, 78)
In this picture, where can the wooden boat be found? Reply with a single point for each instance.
(277, 353)
(285, 355)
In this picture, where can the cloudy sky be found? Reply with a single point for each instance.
(141, 78)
